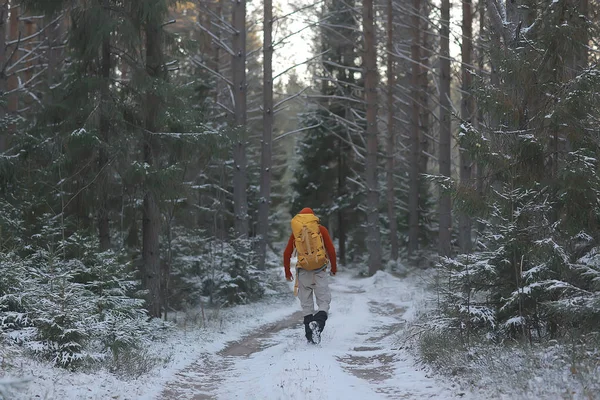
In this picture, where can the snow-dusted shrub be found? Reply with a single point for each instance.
(515, 370)
(223, 272)
(13, 315)
(78, 310)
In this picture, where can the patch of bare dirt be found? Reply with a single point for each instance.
(387, 309)
(256, 341)
(368, 361)
(374, 368)
(200, 380)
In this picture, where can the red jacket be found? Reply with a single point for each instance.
(287, 254)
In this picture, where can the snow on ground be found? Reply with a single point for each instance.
(355, 360)
(259, 352)
(183, 347)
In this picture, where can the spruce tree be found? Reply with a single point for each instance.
(535, 265)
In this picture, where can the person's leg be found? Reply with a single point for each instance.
(305, 291)
(322, 292)
(305, 294)
(323, 296)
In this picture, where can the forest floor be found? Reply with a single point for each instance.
(258, 351)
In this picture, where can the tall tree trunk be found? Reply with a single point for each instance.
(413, 191)
(480, 116)
(3, 84)
(391, 136)
(30, 28)
(445, 129)
(466, 112)
(12, 79)
(151, 223)
(582, 60)
(219, 12)
(370, 68)
(424, 55)
(265, 171)
(342, 151)
(105, 68)
(238, 68)
(54, 53)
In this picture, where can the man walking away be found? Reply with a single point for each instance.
(315, 251)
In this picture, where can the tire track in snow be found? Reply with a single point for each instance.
(355, 360)
(202, 378)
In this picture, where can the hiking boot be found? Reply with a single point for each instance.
(307, 329)
(316, 332)
(320, 319)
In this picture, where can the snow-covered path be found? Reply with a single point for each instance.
(356, 359)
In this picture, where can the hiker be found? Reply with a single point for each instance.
(315, 251)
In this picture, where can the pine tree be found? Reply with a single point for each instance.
(534, 270)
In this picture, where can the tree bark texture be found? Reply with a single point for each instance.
(425, 52)
(480, 116)
(370, 71)
(467, 114)
(413, 190)
(103, 208)
(151, 222)
(12, 78)
(3, 83)
(238, 69)
(391, 136)
(424, 55)
(445, 217)
(582, 57)
(266, 151)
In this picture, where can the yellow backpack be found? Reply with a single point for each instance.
(309, 242)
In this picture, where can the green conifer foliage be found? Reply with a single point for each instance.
(533, 274)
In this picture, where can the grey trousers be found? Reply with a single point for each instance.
(310, 282)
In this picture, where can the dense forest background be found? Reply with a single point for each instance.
(151, 157)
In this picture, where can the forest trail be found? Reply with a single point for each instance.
(358, 357)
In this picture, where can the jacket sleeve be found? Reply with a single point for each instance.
(287, 254)
(329, 247)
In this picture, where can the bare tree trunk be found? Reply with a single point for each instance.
(54, 53)
(219, 12)
(480, 116)
(265, 171)
(13, 80)
(424, 102)
(30, 27)
(466, 112)
(391, 137)
(370, 67)
(238, 67)
(445, 129)
(3, 85)
(341, 212)
(582, 61)
(151, 223)
(424, 92)
(413, 191)
(105, 68)
(343, 149)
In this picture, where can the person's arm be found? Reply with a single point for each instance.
(287, 254)
(329, 247)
